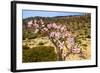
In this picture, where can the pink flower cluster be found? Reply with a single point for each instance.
(55, 35)
(75, 50)
(71, 40)
(57, 32)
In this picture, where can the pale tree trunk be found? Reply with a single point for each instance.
(59, 52)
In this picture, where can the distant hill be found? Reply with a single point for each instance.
(57, 19)
(76, 24)
(67, 20)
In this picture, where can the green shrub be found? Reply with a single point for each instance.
(39, 54)
(27, 33)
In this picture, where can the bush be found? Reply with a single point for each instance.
(27, 33)
(39, 54)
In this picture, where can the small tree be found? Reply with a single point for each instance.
(59, 35)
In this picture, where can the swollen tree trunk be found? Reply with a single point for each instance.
(59, 52)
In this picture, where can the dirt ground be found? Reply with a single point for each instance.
(86, 52)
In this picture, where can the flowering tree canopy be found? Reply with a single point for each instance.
(58, 34)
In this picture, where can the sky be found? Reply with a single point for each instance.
(32, 13)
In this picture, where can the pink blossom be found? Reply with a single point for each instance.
(71, 41)
(62, 28)
(66, 33)
(54, 25)
(49, 26)
(43, 26)
(58, 27)
(45, 29)
(75, 50)
(57, 35)
(35, 25)
(52, 34)
(29, 23)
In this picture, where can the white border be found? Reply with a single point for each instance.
(35, 65)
